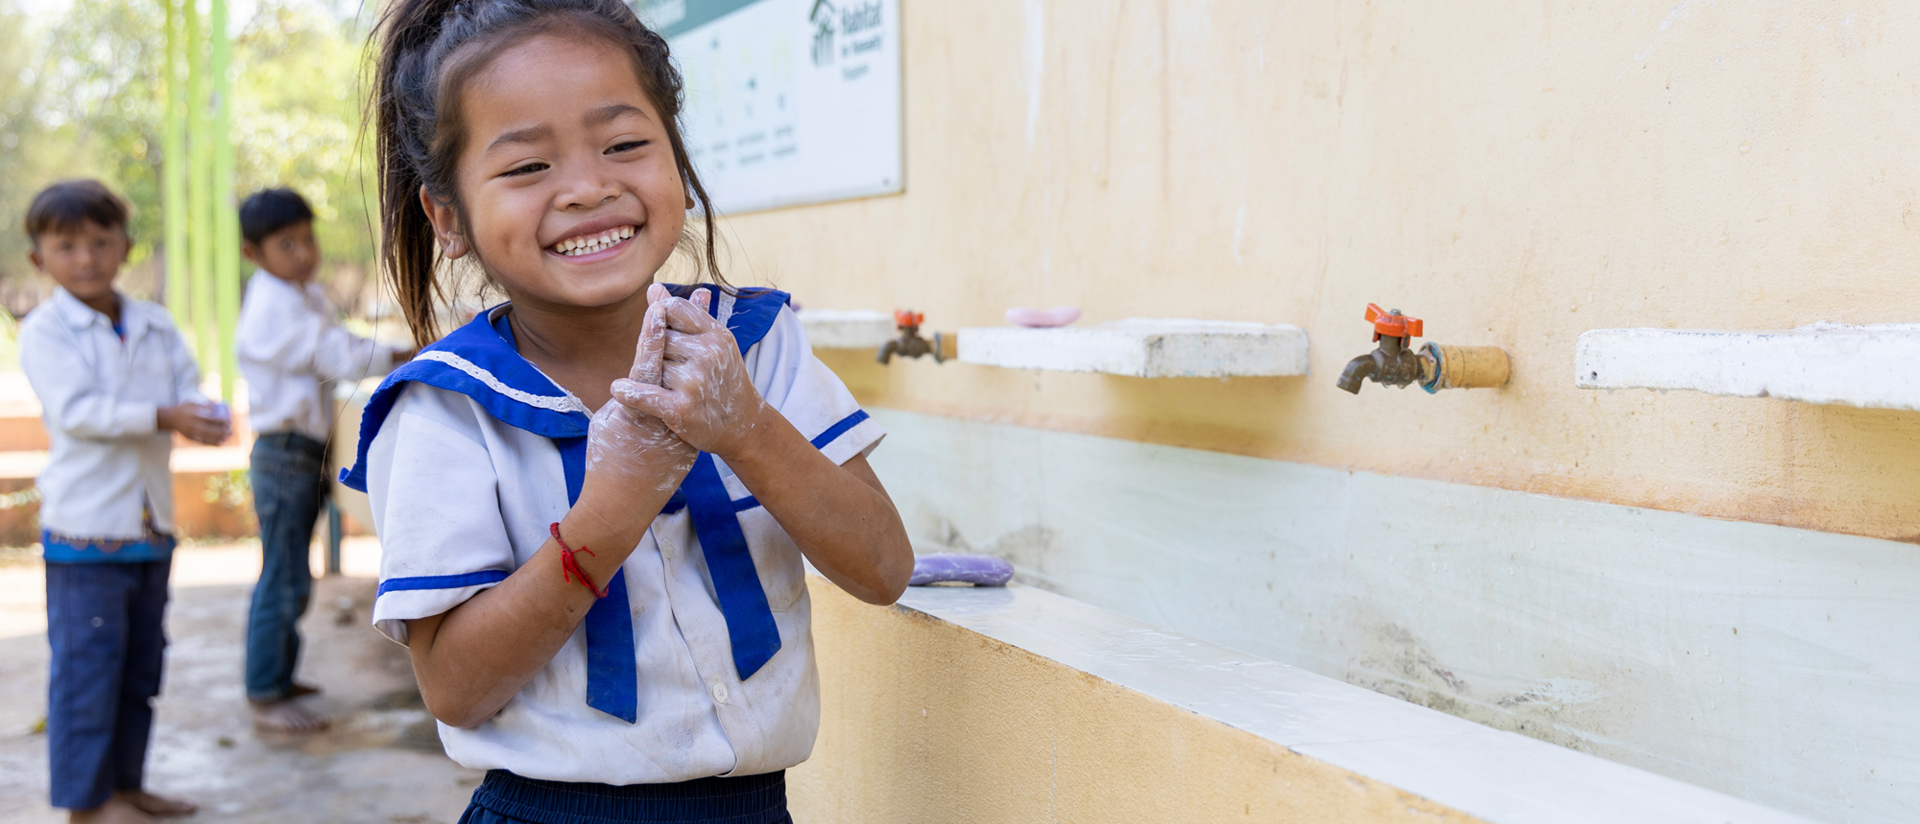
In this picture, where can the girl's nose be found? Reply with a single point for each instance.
(588, 194)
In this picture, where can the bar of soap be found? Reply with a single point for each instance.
(1043, 318)
(944, 567)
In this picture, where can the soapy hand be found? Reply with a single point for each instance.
(207, 423)
(703, 393)
(635, 450)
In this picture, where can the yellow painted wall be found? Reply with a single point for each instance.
(1514, 173)
(925, 722)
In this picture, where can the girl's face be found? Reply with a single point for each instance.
(567, 181)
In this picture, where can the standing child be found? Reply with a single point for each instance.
(115, 382)
(594, 500)
(290, 352)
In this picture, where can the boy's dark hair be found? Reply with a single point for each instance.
(270, 210)
(64, 206)
(428, 49)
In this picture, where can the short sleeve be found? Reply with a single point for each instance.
(809, 394)
(436, 507)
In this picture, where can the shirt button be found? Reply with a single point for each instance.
(97, 621)
(719, 692)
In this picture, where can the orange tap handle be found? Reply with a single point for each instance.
(1392, 325)
(904, 318)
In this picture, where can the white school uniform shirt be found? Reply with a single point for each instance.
(99, 397)
(460, 496)
(291, 351)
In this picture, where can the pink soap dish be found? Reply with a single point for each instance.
(1043, 318)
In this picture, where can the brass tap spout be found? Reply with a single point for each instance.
(1357, 371)
(1394, 362)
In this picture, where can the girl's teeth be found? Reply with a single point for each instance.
(574, 247)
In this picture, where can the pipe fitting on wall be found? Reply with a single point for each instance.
(1463, 367)
(1395, 362)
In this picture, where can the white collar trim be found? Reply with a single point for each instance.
(556, 403)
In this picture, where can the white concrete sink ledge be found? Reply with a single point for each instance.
(1144, 348)
(847, 328)
(1868, 366)
(1498, 776)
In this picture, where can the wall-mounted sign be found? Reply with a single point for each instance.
(788, 101)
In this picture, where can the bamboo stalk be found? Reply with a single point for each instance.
(200, 187)
(226, 217)
(179, 280)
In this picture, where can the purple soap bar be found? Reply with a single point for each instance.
(940, 567)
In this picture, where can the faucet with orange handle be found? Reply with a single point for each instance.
(1434, 366)
(910, 344)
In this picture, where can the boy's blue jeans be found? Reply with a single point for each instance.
(288, 491)
(104, 622)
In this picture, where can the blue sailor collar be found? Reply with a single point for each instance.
(479, 360)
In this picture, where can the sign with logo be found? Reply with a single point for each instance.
(787, 101)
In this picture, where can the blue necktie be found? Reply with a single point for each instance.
(736, 583)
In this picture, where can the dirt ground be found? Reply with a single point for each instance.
(381, 762)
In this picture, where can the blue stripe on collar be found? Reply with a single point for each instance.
(477, 362)
(480, 361)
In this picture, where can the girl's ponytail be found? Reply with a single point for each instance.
(405, 119)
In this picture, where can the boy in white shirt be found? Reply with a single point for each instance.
(290, 351)
(115, 380)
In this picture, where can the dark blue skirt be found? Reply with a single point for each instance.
(505, 798)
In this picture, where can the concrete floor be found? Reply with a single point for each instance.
(381, 762)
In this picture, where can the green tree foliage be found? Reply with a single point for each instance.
(82, 94)
(19, 130)
(296, 120)
(102, 97)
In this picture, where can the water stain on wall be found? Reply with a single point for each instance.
(1394, 661)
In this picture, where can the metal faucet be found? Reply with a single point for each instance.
(1395, 362)
(910, 344)
(1434, 366)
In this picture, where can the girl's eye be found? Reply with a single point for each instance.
(527, 169)
(628, 146)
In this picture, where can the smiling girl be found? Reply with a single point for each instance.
(594, 499)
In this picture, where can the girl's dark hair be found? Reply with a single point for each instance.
(428, 49)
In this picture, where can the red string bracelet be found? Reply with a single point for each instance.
(569, 567)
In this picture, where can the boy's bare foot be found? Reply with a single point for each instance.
(117, 810)
(157, 805)
(287, 716)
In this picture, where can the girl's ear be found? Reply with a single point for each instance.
(446, 226)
